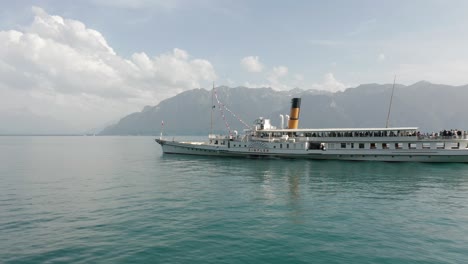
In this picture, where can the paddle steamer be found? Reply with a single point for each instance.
(369, 144)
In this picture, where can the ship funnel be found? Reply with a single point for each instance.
(294, 117)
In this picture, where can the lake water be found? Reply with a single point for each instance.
(120, 200)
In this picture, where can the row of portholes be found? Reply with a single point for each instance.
(195, 149)
(234, 145)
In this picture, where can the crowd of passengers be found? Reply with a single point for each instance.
(453, 133)
(364, 134)
(361, 134)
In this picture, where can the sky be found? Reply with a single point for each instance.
(91, 62)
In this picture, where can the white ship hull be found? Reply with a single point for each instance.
(389, 155)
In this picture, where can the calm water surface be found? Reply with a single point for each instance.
(119, 200)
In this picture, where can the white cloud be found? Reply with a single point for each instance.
(275, 78)
(381, 57)
(61, 68)
(280, 71)
(230, 82)
(278, 78)
(252, 64)
(298, 77)
(329, 83)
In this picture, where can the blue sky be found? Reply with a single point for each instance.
(174, 45)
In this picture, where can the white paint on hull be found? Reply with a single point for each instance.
(406, 155)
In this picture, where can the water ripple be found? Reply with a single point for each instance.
(119, 200)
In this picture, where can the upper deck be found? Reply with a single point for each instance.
(360, 134)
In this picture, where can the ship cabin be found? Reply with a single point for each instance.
(341, 138)
(365, 138)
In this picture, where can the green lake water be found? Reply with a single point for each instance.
(120, 200)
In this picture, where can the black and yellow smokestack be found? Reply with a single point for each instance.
(294, 116)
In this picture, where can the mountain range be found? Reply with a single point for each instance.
(431, 107)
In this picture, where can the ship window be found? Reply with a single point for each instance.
(384, 146)
(398, 145)
(352, 145)
(287, 145)
(372, 146)
(412, 145)
(281, 145)
(343, 145)
(440, 145)
(426, 145)
(274, 146)
(361, 145)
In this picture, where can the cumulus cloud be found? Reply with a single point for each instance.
(329, 83)
(62, 68)
(276, 78)
(252, 64)
(280, 71)
(381, 57)
(298, 77)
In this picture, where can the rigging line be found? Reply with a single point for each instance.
(231, 112)
(238, 118)
(222, 112)
(390, 105)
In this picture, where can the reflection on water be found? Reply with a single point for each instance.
(330, 177)
(298, 185)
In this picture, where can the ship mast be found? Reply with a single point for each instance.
(212, 107)
(390, 105)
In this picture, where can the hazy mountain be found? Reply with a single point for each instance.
(24, 122)
(431, 107)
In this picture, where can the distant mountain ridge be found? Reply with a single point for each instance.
(431, 107)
